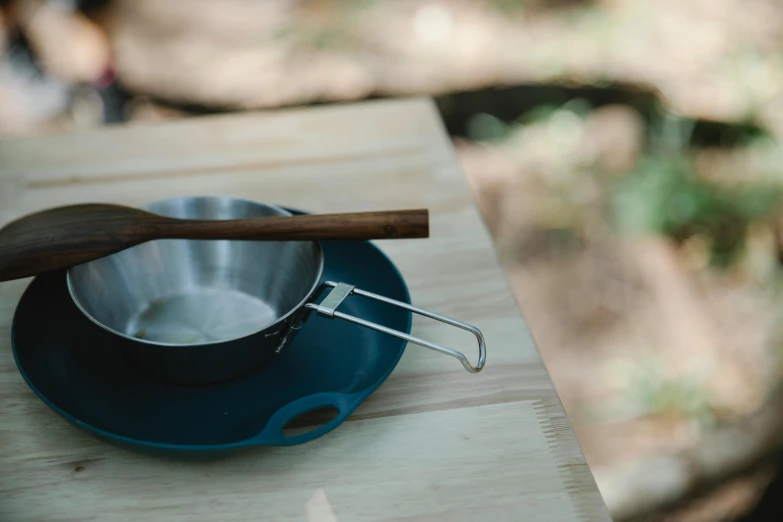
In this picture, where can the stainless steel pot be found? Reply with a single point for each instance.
(197, 312)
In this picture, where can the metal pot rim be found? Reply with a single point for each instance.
(281, 319)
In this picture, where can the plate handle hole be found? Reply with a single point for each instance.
(309, 421)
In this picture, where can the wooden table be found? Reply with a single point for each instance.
(433, 443)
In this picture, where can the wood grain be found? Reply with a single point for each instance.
(432, 443)
(69, 235)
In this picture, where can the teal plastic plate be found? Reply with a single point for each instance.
(78, 370)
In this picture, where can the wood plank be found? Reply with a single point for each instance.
(433, 443)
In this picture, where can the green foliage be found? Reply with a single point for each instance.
(685, 395)
(509, 7)
(540, 113)
(517, 7)
(664, 195)
(315, 38)
(483, 127)
(644, 386)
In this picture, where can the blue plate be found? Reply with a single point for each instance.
(77, 369)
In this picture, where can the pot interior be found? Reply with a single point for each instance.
(185, 292)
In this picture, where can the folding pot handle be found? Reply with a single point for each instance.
(328, 308)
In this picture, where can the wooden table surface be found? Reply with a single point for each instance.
(432, 443)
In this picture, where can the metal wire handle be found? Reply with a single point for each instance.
(340, 291)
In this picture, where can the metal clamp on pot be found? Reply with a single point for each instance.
(340, 291)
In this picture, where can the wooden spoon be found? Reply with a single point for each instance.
(66, 236)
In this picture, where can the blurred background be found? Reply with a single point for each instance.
(625, 155)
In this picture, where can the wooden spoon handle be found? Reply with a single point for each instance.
(38, 244)
(396, 224)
